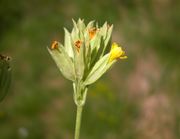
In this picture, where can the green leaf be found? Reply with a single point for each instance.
(98, 70)
(63, 61)
(5, 77)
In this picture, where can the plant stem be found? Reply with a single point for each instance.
(78, 121)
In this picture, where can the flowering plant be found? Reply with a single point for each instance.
(84, 57)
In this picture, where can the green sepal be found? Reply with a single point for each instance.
(87, 60)
(108, 37)
(81, 35)
(98, 70)
(95, 42)
(90, 25)
(63, 61)
(81, 26)
(97, 53)
(107, 40)
(67, 43)
(86, 31)
(79, 62)
(75, 32)
(103, 30)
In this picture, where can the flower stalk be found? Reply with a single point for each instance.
(84, 57)
(78, 122)
(80, 94)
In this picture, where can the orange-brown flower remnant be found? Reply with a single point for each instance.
(54, 45)
(92, 32)
(78, 44)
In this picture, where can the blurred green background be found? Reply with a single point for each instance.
(137, 99)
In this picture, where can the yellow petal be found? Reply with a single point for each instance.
(116, 52)
(123, 57)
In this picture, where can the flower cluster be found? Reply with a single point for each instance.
(85, 55)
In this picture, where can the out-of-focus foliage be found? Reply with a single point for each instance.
(10, 14)
(5, 76)
(138, 99)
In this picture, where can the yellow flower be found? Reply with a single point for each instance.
(116, 52)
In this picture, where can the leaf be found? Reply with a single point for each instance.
(5, 77)
(98, 70)
(63, 61)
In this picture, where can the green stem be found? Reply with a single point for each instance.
(78, 121)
